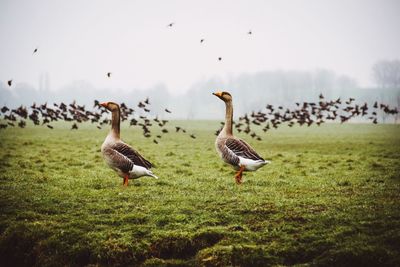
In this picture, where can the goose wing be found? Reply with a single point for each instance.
(117, 160)
(241, 149)
(131, 154)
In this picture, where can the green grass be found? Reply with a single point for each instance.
(330, 197)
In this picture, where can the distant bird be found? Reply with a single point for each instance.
(155, 141)
(250, 32)
(220, 58)
(171, 24)
(74, 126)
(166, 110)
(121, 157)
(34, 51)
(109, 74)
(193, 136)
(233, 150)
(201, 40)
(51, 127)
(147, 101)
(9, 82)
(22, 124)
(4, 109)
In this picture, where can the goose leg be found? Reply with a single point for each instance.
(126, 179)
(238, 176)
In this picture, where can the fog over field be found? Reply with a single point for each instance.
(178, 52)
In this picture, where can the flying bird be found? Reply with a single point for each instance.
(121, 157)
(166, 110)
(233, 150)
(171, 24)
(108, 74)
(34, 51)
(250, 32)
(220, 58)
(9, 82)
(201, 40)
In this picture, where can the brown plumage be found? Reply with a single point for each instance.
(122, 158)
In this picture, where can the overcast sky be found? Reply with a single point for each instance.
(83, 40)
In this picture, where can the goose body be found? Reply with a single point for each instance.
(121, 157)
(238, 153)
(233, 150)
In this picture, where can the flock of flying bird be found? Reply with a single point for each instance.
(45, 114)
(308, 113)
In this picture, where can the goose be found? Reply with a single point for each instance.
(233, 150)
(121, 157)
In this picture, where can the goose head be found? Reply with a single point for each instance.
(111, 106)
(224, 96)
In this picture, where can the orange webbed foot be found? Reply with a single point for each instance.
(239, 174)
(126, 179)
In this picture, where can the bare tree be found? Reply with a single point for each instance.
(386, 73)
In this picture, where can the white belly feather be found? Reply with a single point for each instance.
(139, 171)
(252, 165)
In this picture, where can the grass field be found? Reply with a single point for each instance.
(330, 197)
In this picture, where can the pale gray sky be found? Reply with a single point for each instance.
(83, 40)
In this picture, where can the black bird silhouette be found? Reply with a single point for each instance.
(147, 101)
(22, 124)
(9, 82)
(108, 74)
(250, 32)
(4, 109)
(34, 51)
(220, 58)
(193, 136)
(201, 40)
(171, 24)
(166, 110)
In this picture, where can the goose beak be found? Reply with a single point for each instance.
(219, 94)
(104, 104)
